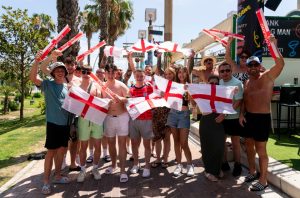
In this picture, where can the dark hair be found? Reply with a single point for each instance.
(139, 70)
(188, 80)
(69, 60)
(111, 66)
(210, 77)
(224, 63)
(87, 67)
(245, 51)
(78, 68)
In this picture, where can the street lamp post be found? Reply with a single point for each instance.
(150, 16)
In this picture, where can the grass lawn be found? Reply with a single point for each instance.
(285, 150)
(18, 139)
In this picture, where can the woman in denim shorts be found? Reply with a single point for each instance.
(179, 122)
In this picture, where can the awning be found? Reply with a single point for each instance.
(203, 40)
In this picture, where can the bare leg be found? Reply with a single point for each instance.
(91, 147)
(263, 161)
(112, 150)
(48, 164)
(122, 152)
(177, 147)
(104, 145)
(236, 147)
(97, 152)
(167, 145)
(58, 162)
(158, 147)
(73, 151)
(250, 155)
(184, 134)
(82, 152)
(135, 143)
(147, 145)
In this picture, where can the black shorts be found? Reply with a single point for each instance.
(232, 127)
(258, 126)
(56, 136)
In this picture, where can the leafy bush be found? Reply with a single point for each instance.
(37, 95)
(42, 105)
(13, 105)
(17, 98)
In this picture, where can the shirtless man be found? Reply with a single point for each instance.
(72, 80)
(88, 130)
(206, 69)
(116, 121)
(255, 116)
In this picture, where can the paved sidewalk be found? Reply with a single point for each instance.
(161, 183)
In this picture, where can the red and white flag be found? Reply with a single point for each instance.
(91, 50)
(142, 45)
(215, 37)
(228, 34)
(169, 46)
(73, 40)
(85, 105)
(173, 92)
(139, 105)
(113, 51)
(213, 98)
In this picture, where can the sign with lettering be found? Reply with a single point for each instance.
(287, 32)
(248, 25)
(136, 55)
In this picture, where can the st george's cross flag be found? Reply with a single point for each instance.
(113, 51)
(142, 46)
(85, 105)
(169, 46)
(139, 105)
(173, 92)
(213, 98)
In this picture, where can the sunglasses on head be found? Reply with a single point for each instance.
(225, 70)
(84, 71)
(255, 64)
(243, 57)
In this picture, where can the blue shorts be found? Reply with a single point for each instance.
(179, 119)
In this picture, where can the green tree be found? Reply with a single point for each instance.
(67, 14)
(89, 25)
(21, 37)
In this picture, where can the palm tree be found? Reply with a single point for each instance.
(67, 13)
(90, 24)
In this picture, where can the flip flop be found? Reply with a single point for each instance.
(46, 189)
(123, 178)
(62, 180)
(211, 177)
(110, 170)
(107, 158)
(251, 178)
(155, 164)
(258, 187)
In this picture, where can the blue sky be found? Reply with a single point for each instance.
(189, 16)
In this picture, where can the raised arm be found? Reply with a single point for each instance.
(158, 70)
(190, 63)
(103, 61)
(34, 71)
(228, 55)
(276, 69)
(130, 68)
(53, 57)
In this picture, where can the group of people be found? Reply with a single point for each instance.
(252, 120)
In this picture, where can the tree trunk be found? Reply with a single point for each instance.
(22, 89)
(67, 13)
(5, 104)
(103, 27)
(89, 38)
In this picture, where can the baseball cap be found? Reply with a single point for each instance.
(253, 58)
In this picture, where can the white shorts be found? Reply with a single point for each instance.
(116, 125)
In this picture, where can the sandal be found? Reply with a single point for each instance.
(62, 180)
(107, 158)
(155, 164)
(77, 168)
(90, 159)
(46, 189)
(165, 165)
(251, 178)
(258, 187)
(211, 177)
(110, 170)
(123, 178)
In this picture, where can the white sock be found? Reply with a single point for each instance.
(104, 152)
(91, 152)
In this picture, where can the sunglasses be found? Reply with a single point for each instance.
(86, 72)
(253, 65)
(225, 70)
(244, 57)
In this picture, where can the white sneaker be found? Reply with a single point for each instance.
(135, 169)
(81, 176)
(96, 174)
(190, 170)
(146, 172)
(177, 170)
